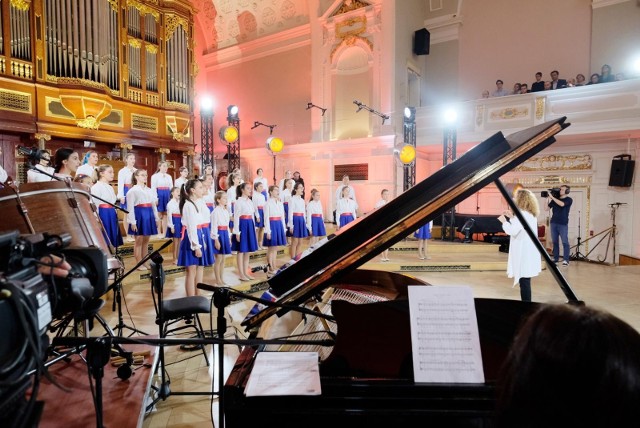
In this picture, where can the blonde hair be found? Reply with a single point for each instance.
(526, 201)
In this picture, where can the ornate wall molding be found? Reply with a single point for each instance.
(557, 163)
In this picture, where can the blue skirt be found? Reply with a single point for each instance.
(109, 220)
(145, 222)
(211, 207)
(317, 226)
(261, 214)
(345, 219)
(164, 196)
(299, 227)
(278, 236)
(187, 257)
(264, 193)
(248, 240)
(225, 242)
(231, 219)
(423, 233)
(176, 220)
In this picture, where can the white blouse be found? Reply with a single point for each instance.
(219, 217)
(194, 214)
(258, 201)
(346, 206)
(296, 205)
(244, 206)
(161, 180)
(140, 195)
(105, 191)
(36, 177)
(173, 207)
(313, 207)
(124, 177)
(273, 208)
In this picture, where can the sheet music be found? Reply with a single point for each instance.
(284, 373)
(444, 335)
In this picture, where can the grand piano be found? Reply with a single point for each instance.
(367, 376)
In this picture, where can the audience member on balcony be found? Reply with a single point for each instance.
(538, 85)
(619, 77)
(605, 74)
(571, 82)
(595, 78)
(571, 365)
(557, 83)
(516, 89)
(500, 91)
(547, 85)
(580, 80)
(524, 88)
(485, 93)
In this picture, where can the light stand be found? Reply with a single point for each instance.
(233, 148)
(312, 105)
(409, 134)
(578, 255)
(273, 152)
(206, 135)
(448, 156)
(610, 234)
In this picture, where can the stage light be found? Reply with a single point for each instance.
(275, 144)
(450, 116)
(407, 154)
(232, 112)
(636, 66)
(228, 134)
(410, 114)
(206, 104)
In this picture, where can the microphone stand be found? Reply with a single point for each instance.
(222, 299)
(578, 255)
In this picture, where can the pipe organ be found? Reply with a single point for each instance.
(116, 71)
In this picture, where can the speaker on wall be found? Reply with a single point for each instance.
(621, 171)
(421, 41)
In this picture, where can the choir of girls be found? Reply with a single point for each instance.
(161, 185)
(107, 213)
(143, 214)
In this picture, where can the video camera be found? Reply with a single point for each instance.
(555, 192)
(31, 299)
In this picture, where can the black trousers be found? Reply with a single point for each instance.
(525, 289)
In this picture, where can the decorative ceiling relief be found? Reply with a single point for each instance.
(231, 22)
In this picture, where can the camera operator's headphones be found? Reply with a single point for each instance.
(567, 189)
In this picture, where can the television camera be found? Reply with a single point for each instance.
(30, 298)
(555, 192)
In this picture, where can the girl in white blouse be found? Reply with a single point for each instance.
(174, 221)
(184, 174)
(296, 221)
(124, 184)
(232, 194)
(161, 184)
(244, 230)
(345, 209)
(196, 247)
(274, 228)
(315, 218)
(220, 234)
(106, 212)
(143, 214)
(259, 201)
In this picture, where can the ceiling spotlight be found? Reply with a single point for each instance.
(206, 104)
(410, 114)
(232, 112)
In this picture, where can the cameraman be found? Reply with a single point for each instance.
(560, 207)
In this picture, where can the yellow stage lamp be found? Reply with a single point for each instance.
(407, 154)
(228, 134)
(275, 144)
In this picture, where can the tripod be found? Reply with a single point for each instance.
(609, 234)
(578, 255)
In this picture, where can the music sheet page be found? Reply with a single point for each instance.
(444, 335)
(284, 373)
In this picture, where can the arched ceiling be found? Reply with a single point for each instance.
(226, 23)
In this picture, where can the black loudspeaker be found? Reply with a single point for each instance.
(421, 42)
(621, 171)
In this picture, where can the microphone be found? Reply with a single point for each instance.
(32, 153)
(263, 268)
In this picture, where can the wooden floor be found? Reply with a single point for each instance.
(613, 288)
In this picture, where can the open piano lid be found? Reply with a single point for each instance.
(363, 239)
